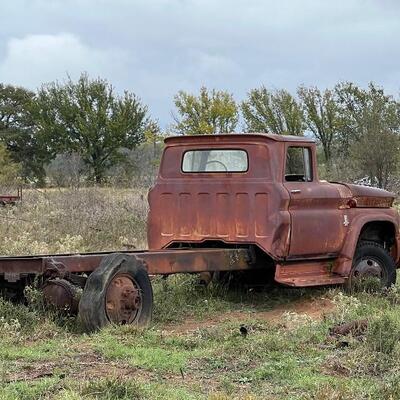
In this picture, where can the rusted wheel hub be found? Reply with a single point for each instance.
(62, 294)
(123, 300)
(368, 267)
(368, 274)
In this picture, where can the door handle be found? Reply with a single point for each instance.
(294, 191)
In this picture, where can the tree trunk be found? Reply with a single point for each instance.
(98, 178)
(98, 170)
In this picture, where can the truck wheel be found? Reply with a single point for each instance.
(118, 292)
(373, 267)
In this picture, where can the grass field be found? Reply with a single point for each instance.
(194, 348)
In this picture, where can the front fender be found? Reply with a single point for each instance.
(358, 218)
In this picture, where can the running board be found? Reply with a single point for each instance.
(302, 274)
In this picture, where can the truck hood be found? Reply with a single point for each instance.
(365, 196)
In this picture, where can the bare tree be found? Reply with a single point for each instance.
(321, 116)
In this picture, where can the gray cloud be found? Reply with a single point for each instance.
(36, 59)
(158, 47)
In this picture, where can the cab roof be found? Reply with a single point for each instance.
(240, 136)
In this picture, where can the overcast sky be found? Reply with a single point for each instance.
(157, 47)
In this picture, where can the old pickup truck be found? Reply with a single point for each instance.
(234, 202)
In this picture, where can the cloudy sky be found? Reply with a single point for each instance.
(157, 47)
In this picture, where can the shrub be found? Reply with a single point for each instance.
(15, 320)
(384, 333)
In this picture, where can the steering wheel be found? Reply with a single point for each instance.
(218, 162)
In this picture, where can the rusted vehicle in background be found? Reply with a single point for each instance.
(11, 199)
(237, 202)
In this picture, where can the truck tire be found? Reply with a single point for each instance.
(118, 292)
(372, 260)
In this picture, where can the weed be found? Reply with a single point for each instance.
(339, 391)
(392, 294)
(112, 389)
(384, 333)
(389, 388)
(15, 321)
(42, 390)
(347, 306)
(181, 295)
(368, 284)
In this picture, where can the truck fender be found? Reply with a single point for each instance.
(350, 242)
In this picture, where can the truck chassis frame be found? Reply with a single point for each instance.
(108, 286)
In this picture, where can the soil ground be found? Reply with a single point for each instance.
(313, 308)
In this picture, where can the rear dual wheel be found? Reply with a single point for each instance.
(118, 292)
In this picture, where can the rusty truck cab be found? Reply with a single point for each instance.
(226, 189)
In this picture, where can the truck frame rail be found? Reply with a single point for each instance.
(162, 262)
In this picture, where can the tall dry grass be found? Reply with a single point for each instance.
(74, 220)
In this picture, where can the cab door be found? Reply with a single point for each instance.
(317, 228)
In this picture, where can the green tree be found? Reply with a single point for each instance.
(153, 137)
(364, 109)
(19, 133)
(275, 112)
(8, 169)
(369, 131)
(13, 106)
(86, 117)
(206, 114)
(377, 155)
(321, 116)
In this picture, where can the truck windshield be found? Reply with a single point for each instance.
(213, 160)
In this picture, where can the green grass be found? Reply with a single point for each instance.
(292, 358)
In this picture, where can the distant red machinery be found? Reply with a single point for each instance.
(8, 199)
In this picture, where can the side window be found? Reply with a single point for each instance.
(298, 165)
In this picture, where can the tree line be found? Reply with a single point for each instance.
(86, 123)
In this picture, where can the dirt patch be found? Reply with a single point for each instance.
(85, 366)
(313, 308)
(91, 365)
(31, 372)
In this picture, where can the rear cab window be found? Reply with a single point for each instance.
(215, 160)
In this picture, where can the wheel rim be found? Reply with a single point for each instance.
(123, 300)
(367, 271)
